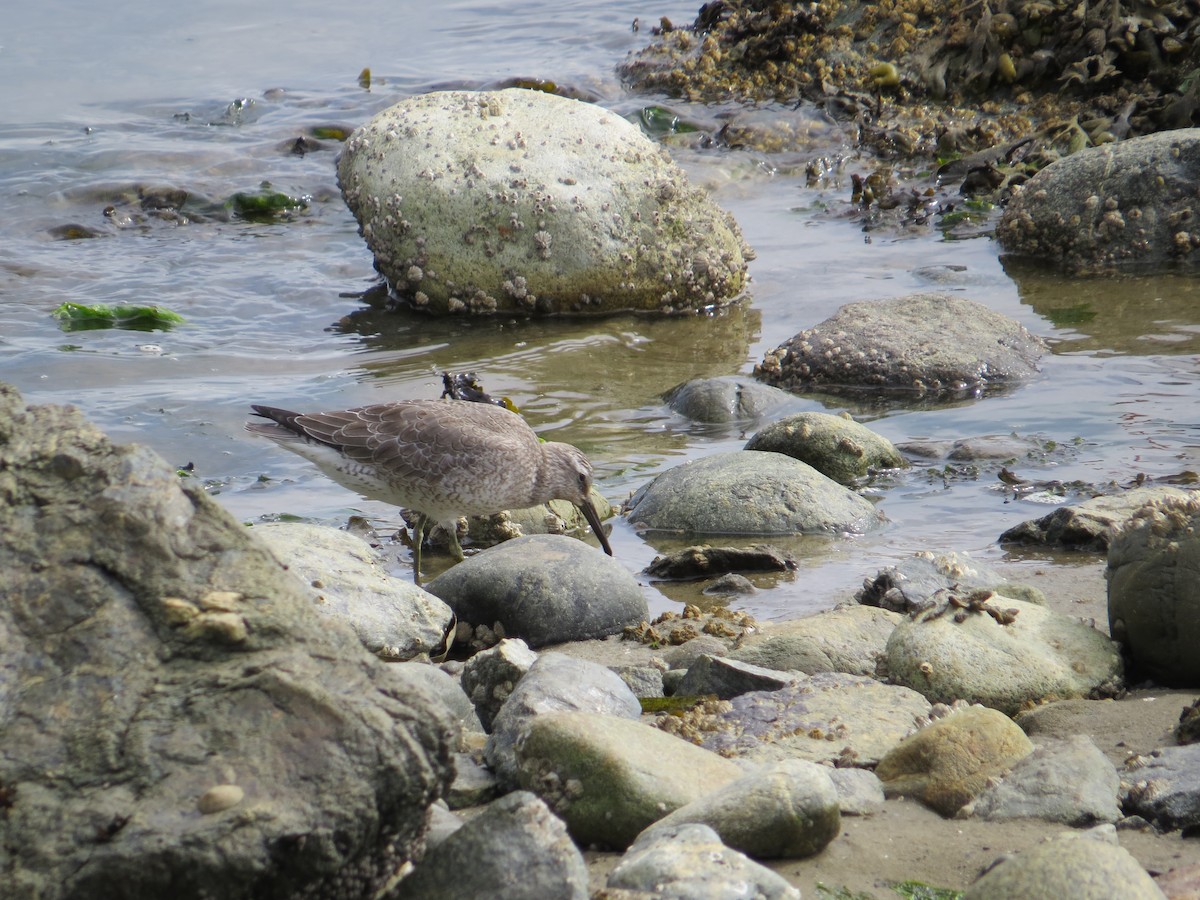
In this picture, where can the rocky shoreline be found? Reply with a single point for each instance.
(229, 726)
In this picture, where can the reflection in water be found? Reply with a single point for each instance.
(1136, 314)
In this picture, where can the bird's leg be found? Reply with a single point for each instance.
(455, 546)
(418, 537)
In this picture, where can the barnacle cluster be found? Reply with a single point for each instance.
(927, 78)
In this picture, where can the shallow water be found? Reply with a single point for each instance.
(210, 100)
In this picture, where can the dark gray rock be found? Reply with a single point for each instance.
(836, 446)
(176, 718)
(554, 683)
(911, 585)
(546, 205)
(516, 849)
(1090, 525)
(726, 399)
(545, 589)
(1068, 781)
(689, 862)
(937, 344)
(1164, 788)
(1153, 591)
(489, 677)
(749, 494)
(725, 677)
(393, 617)
(1117, 205)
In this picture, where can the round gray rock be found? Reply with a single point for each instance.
(689, 862)
(521, 201)
(516, 849)
(836, 446)
(1077, 866)
(545, 589)
(749, 494)
(727, 398)
(928, 343)
(1119, 204)
(786, 811)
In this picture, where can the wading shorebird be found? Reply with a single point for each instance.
(438, 459)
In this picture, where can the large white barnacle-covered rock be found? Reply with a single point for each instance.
(522, 201)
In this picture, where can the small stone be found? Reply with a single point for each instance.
(219, 798)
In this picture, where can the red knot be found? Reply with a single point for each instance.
(439, 459)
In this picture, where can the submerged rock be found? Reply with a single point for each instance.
(928, 344)
(522, 201)
(1117, 205)
(748, 493)
(836, 446)
(726, 399)
(178, 719)
(912, 584)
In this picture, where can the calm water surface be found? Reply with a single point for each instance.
(110, 112)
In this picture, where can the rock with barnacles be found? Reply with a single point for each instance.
(836, 446)
(986, 648)
(1122, 204)
(1153, 592)
(934, 345)
(522, 201)
(176, 718)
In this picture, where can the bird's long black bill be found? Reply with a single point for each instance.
(593, 518)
